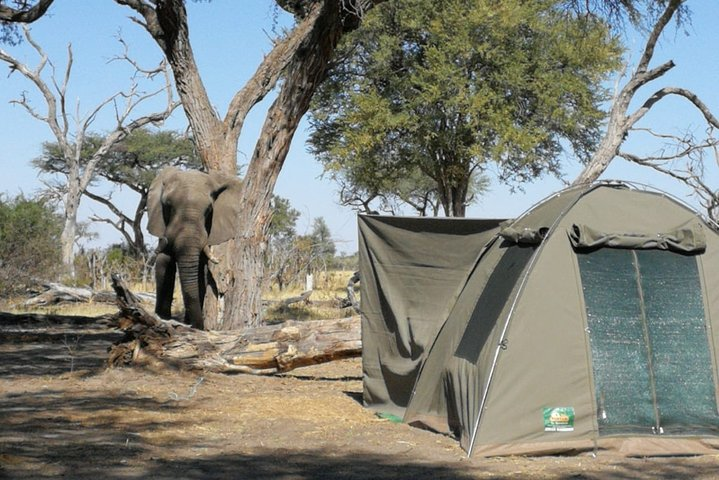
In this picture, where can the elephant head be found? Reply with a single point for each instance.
(189, 211)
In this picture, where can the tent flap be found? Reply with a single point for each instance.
(412, 269)
(687, 238)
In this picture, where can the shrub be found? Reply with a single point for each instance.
(30, 232)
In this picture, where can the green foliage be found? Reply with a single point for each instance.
(284, 218)
(347, 263)
(291, 256)
(9, 34)
(443, 90)
(641, 14)
(132, 163)
(135, 161)
(30, 232)
(323, 246)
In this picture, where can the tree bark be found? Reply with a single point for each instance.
(262, 350)
(24, 14)
(620, 123)
(306, 70)
(302, 57)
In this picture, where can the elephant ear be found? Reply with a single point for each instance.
(225, 209)
(155, 219)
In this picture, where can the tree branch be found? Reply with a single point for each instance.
(266, 76)
(35, 76)
(662, 21)
(24, 14)
(682, 92)
(619, 123)
(151, 23)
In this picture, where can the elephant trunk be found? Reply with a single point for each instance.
(190, 269)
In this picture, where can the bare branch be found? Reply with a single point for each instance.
(35, 76)
(62, 90)
(662, 21)
(664, 92)
(268, 72)
(692, 172)
(122, 219)
(151, 23)
(619, 123)
(125, 57)
(23, 102)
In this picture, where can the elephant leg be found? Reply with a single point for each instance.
(165, 269)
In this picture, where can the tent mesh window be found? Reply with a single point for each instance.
(650, 350)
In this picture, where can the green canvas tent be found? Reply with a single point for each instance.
(589, 323)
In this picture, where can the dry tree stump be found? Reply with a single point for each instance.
(263, 350)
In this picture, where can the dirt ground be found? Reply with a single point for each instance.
(63, 414)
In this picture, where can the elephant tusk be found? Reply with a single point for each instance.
(209, 255)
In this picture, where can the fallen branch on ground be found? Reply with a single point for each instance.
(263, 350)
(57, 293)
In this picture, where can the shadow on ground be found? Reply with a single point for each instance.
(62, 416)
(35, 344)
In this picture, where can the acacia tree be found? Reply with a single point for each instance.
(386, 192)
(281, 240)
(71, 135)
(300, 58)
(132, 163)
(448, 88)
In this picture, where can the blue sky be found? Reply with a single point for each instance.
(230, 37)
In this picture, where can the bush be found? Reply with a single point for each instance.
(30, 232)
(94, 267)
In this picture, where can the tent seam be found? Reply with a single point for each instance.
(520, 291)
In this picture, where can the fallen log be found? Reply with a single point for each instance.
(263, 350)
(56, 293)
(286, 302)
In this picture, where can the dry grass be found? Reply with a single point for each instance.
(323, 303)
(89, 309)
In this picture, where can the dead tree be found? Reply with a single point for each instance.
(621, 121)
(261, 350)
(56, 293)
(71, 137)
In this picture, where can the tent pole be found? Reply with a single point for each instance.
(502, 345)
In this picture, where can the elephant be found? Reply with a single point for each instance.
(189, 211)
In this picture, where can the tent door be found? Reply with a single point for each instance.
(650, 351)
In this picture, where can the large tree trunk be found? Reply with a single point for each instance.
(302, 58)
(242, 302)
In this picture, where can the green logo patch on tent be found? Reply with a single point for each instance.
(559, 419)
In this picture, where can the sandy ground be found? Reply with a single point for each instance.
(63, 414)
